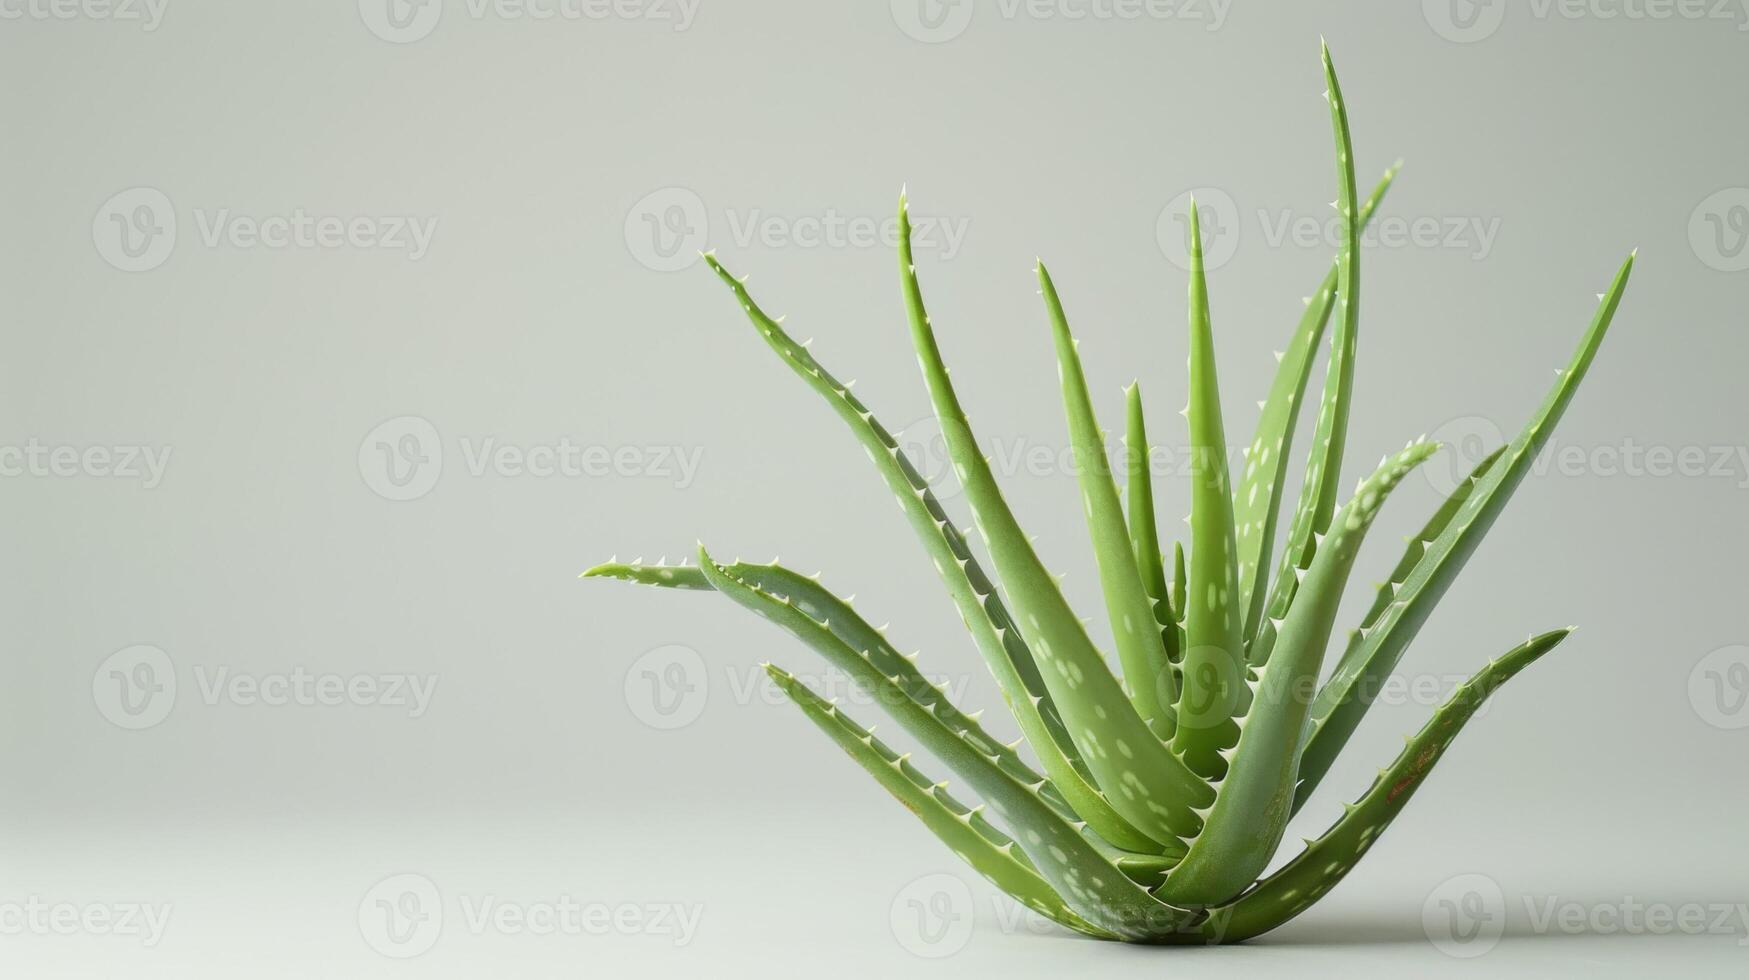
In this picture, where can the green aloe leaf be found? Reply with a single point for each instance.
(965, 830)
(1144, 526)
(1329, 858)
(1144, 781)
(1071, 868)
(1179, 580)
(1001, 645)
(1319, 492)
(1214, 645)
(1417, 546)
(1255, 799)
(1256, 505)
(833, 628)
(1386, 592)
(1343, 700)
(664, 576)
(1147, 675)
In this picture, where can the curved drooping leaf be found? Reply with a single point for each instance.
(1328, 859)
(964, 830)
(1350, 690)
(832, 627)
(1002, 646)
(1073, 871)
(663, 576)
(1387, 591)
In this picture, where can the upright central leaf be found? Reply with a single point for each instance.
(1214, 652)
(1140, 648)
(1138, 773)
(1145, 532)
(1245, 825)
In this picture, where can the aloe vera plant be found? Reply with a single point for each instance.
(1157, 795)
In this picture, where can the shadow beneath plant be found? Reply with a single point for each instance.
(1371, 929)
(1360, 929)
(1385, 928)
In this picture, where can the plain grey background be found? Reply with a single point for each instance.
(490, 219)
